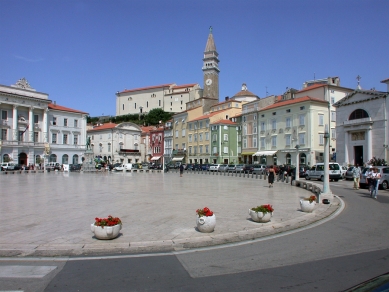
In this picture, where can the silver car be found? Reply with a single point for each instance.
(384, 180)
(349, 173)
(223, 167)
(214, 167)
(259, 168)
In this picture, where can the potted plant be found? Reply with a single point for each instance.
(206, 220)
(261, 213)
(106, 228)
(308, 204)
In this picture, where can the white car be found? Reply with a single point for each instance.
(123, 167)
(214, 167)
(343, 170)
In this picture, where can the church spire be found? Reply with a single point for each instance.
(211, 69)
(210, 46)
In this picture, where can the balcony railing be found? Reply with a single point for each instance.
(179, 152)
(129, 152)
(358, 122)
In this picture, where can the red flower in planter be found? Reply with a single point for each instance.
(109, 221)
(204, 212)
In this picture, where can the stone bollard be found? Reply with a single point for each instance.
(256, 175)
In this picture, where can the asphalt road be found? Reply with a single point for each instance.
(336, 255)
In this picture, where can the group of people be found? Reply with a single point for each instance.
(372, 179)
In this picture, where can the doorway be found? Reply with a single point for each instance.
(23, 158)
(358, 155)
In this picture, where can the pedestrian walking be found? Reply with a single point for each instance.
(356, 176)
(375, 177)
(369, 181)
(271, 176)
(181, 169)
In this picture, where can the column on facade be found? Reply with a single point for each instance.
(346, 159)
(45, 126)
(369, 145)
(15, 123)
(30, 125)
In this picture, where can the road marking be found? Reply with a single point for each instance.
(25, 271)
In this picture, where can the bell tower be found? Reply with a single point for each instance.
(211, 69)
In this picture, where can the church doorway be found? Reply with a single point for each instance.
(22, 158)
(358, 155)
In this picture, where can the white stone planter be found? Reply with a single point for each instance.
(260, 216)
(206, 223)
(306, 206)
(108, 232)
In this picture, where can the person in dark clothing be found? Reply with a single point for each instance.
(181, 170)
(271, 176)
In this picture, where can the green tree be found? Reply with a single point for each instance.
(157, 115)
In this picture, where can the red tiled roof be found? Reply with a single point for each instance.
(184, 86)
(205, 116)
(65, 109)
(385, 80)
(147, 129)
(293, 101)
(103, 127)
(146, 88)
(224, 122)
(314, 86)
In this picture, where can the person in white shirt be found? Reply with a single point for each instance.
(375, 177)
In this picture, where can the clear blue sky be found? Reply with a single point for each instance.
(82, 52)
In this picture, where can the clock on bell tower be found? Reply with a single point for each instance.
(211, 69)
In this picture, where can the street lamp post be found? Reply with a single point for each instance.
(297, 174)
(326, 184)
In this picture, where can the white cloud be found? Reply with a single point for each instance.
(28, 60)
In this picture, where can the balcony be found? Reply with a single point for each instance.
(128, 152)
(37, 127)
(358, 122)
(4, 124)
(179, 152)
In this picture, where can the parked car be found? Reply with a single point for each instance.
(231, 167)
(7, 166)
(214, 167)
(122, 167)
(343, 170)
(223, 167)
(248, 168)
(259, 168)
(239, 167)
(384, 180)
(349, 173)
(74, 167)
(53, 166)
(204, 166)
(317, 172)
(146, 166)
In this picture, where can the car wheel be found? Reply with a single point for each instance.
(336, 179)
(322, 178)
(384, 185)
(307, 177)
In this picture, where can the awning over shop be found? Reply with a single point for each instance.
(177, 158)
(156, 158)
(264, 153)
(247, 153)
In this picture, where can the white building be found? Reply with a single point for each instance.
(34, 130)
(289, 123)
(24, 123)
(362, 126)
(169, 97)
(116, 142)
(67, 134)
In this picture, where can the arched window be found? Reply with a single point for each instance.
(303, 158)
(65, 159)
(6, 158)
(53, 158)
(37, 159)
(263, 159)
(75, 159)
(288, 159)
(358, 114)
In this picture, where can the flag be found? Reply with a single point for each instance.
(25, 129)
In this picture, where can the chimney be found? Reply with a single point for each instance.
(226, 98)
